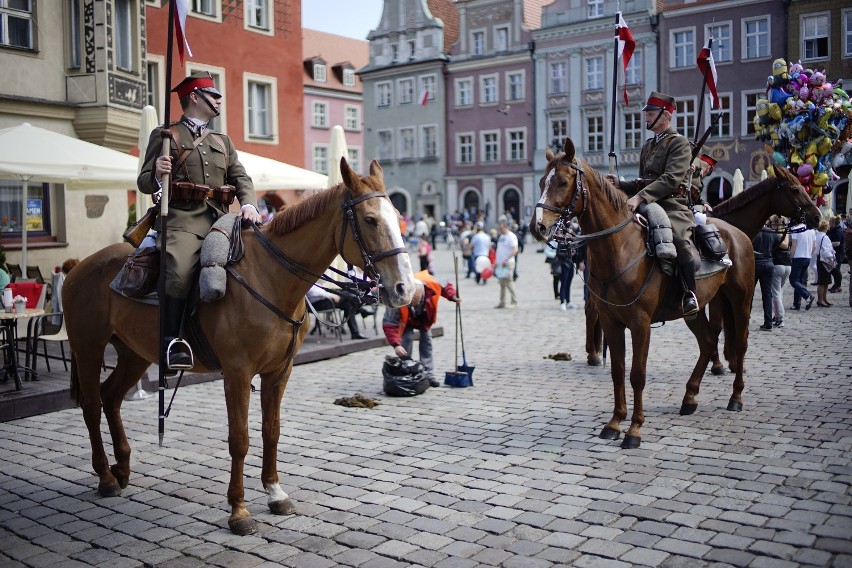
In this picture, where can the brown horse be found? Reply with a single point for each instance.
(781, 194)
(354, 219)
(630, 289)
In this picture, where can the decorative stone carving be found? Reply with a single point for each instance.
(95, 205)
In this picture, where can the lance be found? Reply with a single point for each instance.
(614, 94)
(696, 148)
(700, 117)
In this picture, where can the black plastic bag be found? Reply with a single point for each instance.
(404, 377)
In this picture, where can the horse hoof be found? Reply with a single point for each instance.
(609, 433)
(122, 479)
(594, 361)
(109, 489)
(284, 507)
(687, 409)
(243, 527)
(717, 370)
(630, 442)
(735, 405)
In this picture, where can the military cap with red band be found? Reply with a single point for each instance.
(197, 82)
(660, 101)
(708, 160)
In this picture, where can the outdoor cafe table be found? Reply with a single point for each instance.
(9, 321)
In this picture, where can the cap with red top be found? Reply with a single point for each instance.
(707, 159)
(201, 81)
(660, 101)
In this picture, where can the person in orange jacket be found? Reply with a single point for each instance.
(399, 323)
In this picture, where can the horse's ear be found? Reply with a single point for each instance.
(376, 171)
(568, 147)
(548, 154)
(350, 178)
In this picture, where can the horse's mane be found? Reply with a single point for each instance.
(291, 218)
(745, 197)
(616, 197)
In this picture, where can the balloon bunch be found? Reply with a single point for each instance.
(803, 118)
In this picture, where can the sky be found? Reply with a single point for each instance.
(350, 18)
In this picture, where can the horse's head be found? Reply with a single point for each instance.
(793, 200)
(562, 193)
(370, 237)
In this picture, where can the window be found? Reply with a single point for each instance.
(16, 23)
(464, 149)
(501, 39)
(756, 43)
(595, 9)
(633, 130)
(394, 53)
(406, 143)
(349, 77)
(75, 33)
(320, 72)
(594, 73)
(558, 77)
(412, 48)
(478, 43)
(815, 36)
(749, 110)
(847, 33)
(355, 159)
(385, 144)
(429, 141)
(206, 7)
(517, 149)
(490, 146)
(321, 158)
(383, 94)
(464, 92)
(123, 37)
(722, 44)
(723, 129)
(684, 118)
(488, 89)
(427, 85)
(683, 48)
(406, 91)
(319, 118)
(633, 75)
(257, 14)
(38, 209)
(515, 86)
(259, 109)
(594, 133)
(558, 132)
(351, 117)
(152, 95)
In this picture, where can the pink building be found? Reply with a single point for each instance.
(333, 95)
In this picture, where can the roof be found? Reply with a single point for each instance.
(334, 50)
(532, 13)
(446, 11)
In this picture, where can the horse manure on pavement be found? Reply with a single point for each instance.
(357, 401)
(561, 356)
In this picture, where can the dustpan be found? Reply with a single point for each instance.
(463, 375)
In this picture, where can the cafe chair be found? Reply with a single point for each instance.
(370, 311)
(15, 271)
(34, 274)
(328, 319)
(44, 329)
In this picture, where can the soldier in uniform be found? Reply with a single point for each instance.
(663, 164)
(205, 176)
(701, 168)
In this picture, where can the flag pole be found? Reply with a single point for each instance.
(700, 117)
(614, 91)
(164, 215)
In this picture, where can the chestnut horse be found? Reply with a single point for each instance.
(630, 289)
(249, 336)
(781, 194)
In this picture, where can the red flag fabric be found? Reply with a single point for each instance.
(708, 70)
(626, 45)
(424, 97)
(181, 9)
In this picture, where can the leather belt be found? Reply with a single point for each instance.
(188, 191)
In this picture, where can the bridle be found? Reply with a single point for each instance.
(563, 223)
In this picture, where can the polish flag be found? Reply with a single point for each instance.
(181, 9)
(708, 71)
(424, 97)
(626, 45)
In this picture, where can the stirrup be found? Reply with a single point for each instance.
(691, 314)
(176, 352)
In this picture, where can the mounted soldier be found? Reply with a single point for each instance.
(663, 165)
(205, 177)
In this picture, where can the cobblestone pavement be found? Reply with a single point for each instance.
(507, 473)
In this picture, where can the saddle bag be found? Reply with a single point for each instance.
(709, 242)
(138, 276)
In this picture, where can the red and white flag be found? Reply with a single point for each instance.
(424, 97)
(626, 45)
(708, 70)
(181, 9)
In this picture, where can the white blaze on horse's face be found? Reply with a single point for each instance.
(403, 262)
(539, 212)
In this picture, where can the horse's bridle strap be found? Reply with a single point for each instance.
(348, 207)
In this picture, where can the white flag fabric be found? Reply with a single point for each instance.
(626, 46)
(708, 70)
(181, 9)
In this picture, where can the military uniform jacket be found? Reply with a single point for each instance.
(208, 164)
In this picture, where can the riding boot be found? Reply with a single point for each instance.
(178, 352)
(690, 300)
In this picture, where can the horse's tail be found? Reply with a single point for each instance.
(75, 381)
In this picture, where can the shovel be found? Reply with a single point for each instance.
(463, 375)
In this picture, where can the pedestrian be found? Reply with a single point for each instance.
(764, 243)
(663, 164)
(481, 243)
(322, 300)
(555, 267)
(565, 259)
(424, 253)
(507, 249)
(399, 324)
(206, 176)
(781, 270)
(824, 254)
(835, 235)
(801, 251)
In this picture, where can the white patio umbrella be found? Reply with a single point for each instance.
(268, 174)
(29, 153)
(763, 175)
(738, 182)
(149, 123)
(337, 150)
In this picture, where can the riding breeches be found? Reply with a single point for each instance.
(183, 250)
